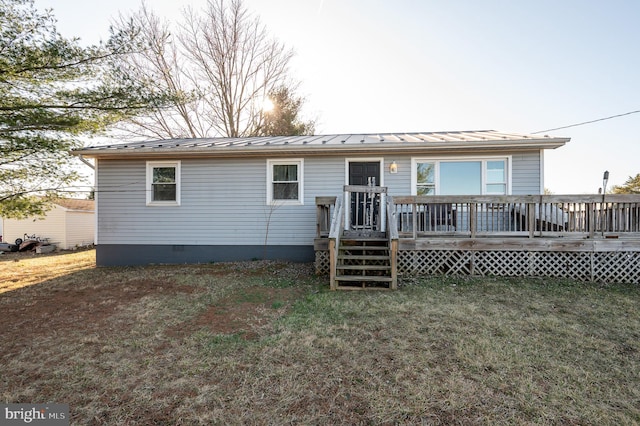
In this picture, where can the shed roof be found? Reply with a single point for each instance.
(326, 144)
(75, 204)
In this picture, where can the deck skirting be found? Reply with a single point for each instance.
(597, 265)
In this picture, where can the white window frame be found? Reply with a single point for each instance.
(285, 162)
(482, 159)
(149, 184)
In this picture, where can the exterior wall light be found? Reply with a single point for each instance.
(393, 167)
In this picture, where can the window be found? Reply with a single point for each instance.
(163, 183)
(496, 180)
(284, 182)
(482, 176)
(426, 180)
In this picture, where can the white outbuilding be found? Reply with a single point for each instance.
(69, 224)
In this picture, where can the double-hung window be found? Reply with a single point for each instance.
(473, 176)
(163, 183)
(285, 181)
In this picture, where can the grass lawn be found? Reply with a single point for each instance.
(267, 343)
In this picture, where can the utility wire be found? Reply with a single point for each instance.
(587, 122)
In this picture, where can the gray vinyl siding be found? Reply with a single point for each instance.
(223, 201)
(525, 171)
(398, 183)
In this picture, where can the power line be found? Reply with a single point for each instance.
(587, 122)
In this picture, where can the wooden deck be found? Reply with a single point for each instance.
(584, 237)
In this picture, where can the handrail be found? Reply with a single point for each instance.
(366, 189)
(337, 220)
(392, 235)
(337, 225)
(392, 222)
(583, 216)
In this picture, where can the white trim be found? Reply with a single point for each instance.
(149, 180)
(285, 161)
(437, 160)
(364, 160)
(95, 201)
(541, 168)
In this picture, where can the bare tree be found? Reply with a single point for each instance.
(220, 65)
(158, 65)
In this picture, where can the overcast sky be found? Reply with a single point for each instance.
(432, 65)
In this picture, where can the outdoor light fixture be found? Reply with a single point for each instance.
(393, 167)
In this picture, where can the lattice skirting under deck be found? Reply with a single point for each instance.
(622, 267)
(323, 263)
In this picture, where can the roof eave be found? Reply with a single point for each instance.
(262, 151)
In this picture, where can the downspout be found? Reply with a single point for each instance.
(86, 162)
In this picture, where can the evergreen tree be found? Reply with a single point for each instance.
(53, 93)
(631, 186)
(284, 118)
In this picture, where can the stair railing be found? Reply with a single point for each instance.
(392, 235)
(368, 207)
(337, 226)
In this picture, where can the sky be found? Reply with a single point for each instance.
(369, 66)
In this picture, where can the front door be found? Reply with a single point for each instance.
(363, 208)
(361, 173)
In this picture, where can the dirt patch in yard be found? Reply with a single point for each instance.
(30, 313)
(245, 312)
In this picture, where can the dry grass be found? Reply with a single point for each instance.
(265, 343)
(29, 268)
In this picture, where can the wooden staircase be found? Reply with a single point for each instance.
(363, 254)
(364, 263)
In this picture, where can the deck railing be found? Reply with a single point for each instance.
(324, 211)
(578, 216)
(586, 216)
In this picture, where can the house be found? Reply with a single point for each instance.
(70, 223)
(221, 199)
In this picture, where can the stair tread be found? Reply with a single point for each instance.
(364, 267)
(365, 239)
(362, 278)
(362, 257)
(372, 248)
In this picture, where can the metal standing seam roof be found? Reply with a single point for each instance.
(325, 143)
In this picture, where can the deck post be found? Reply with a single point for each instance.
(414, 219)
(591, 208)
(319, 219)
(347, 209)
(333, 253)
(473, 220)
(394, 263)
(531, 218)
